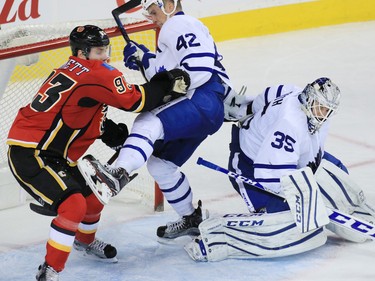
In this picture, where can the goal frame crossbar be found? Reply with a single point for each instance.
(61, 42)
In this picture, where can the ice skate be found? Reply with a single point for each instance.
(187, 225)
(104, 180)
(97, 250)
(46, 273)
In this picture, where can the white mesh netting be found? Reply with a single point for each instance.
(23, 75)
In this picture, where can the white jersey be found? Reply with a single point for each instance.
(277, 138)
(184, 42)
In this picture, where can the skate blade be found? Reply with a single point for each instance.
(178, 241)
(101, 190)
(87, 256)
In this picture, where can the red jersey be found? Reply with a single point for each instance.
(67, 113)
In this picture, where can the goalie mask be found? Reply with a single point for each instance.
(320, 100)
(85, 37)
(160, 3)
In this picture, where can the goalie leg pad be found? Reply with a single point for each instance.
(341, 192)
(249, 236)
(304, 199)
(348, 234)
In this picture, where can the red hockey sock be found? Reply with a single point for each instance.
(89, 225)
(63, 230)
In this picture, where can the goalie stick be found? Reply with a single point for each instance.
(335, 216)
(116, 15)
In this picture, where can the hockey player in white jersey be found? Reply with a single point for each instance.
(278, 138)
(166, 137)
(285, 132)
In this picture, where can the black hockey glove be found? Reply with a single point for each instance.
(179, 83)
(114, 134)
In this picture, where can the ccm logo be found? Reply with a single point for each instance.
(298, 209)
(352, 223)
(244, 223)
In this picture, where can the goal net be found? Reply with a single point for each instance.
(27, 56)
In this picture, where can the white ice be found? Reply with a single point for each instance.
(345, 53)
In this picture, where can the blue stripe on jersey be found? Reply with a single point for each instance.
(274, 167)
(110, 67)
(227, 92)
(197, 55)
(223, 74)
(279, 89)
(218, 70)
(267, 180)
(266, 101)
(187, 67)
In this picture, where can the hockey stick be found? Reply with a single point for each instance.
(116, 15)
(300, 191)
(113, 157)
(120, 10)
(335, 216)
(42, 210)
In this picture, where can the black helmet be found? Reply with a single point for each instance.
(85, 37)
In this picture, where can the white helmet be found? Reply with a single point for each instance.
(160, 3)
(320, 93)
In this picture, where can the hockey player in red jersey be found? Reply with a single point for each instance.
(64, 118)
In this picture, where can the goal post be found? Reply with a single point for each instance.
(28, 54)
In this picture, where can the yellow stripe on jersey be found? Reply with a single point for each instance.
(21, 143)
(46, 199)
(50, 171)
(38, 159)
(56, 177)
(72, 137)
(52, 135)
(140, 107)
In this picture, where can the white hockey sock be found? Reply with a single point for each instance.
(147, 128)
(174, 185)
